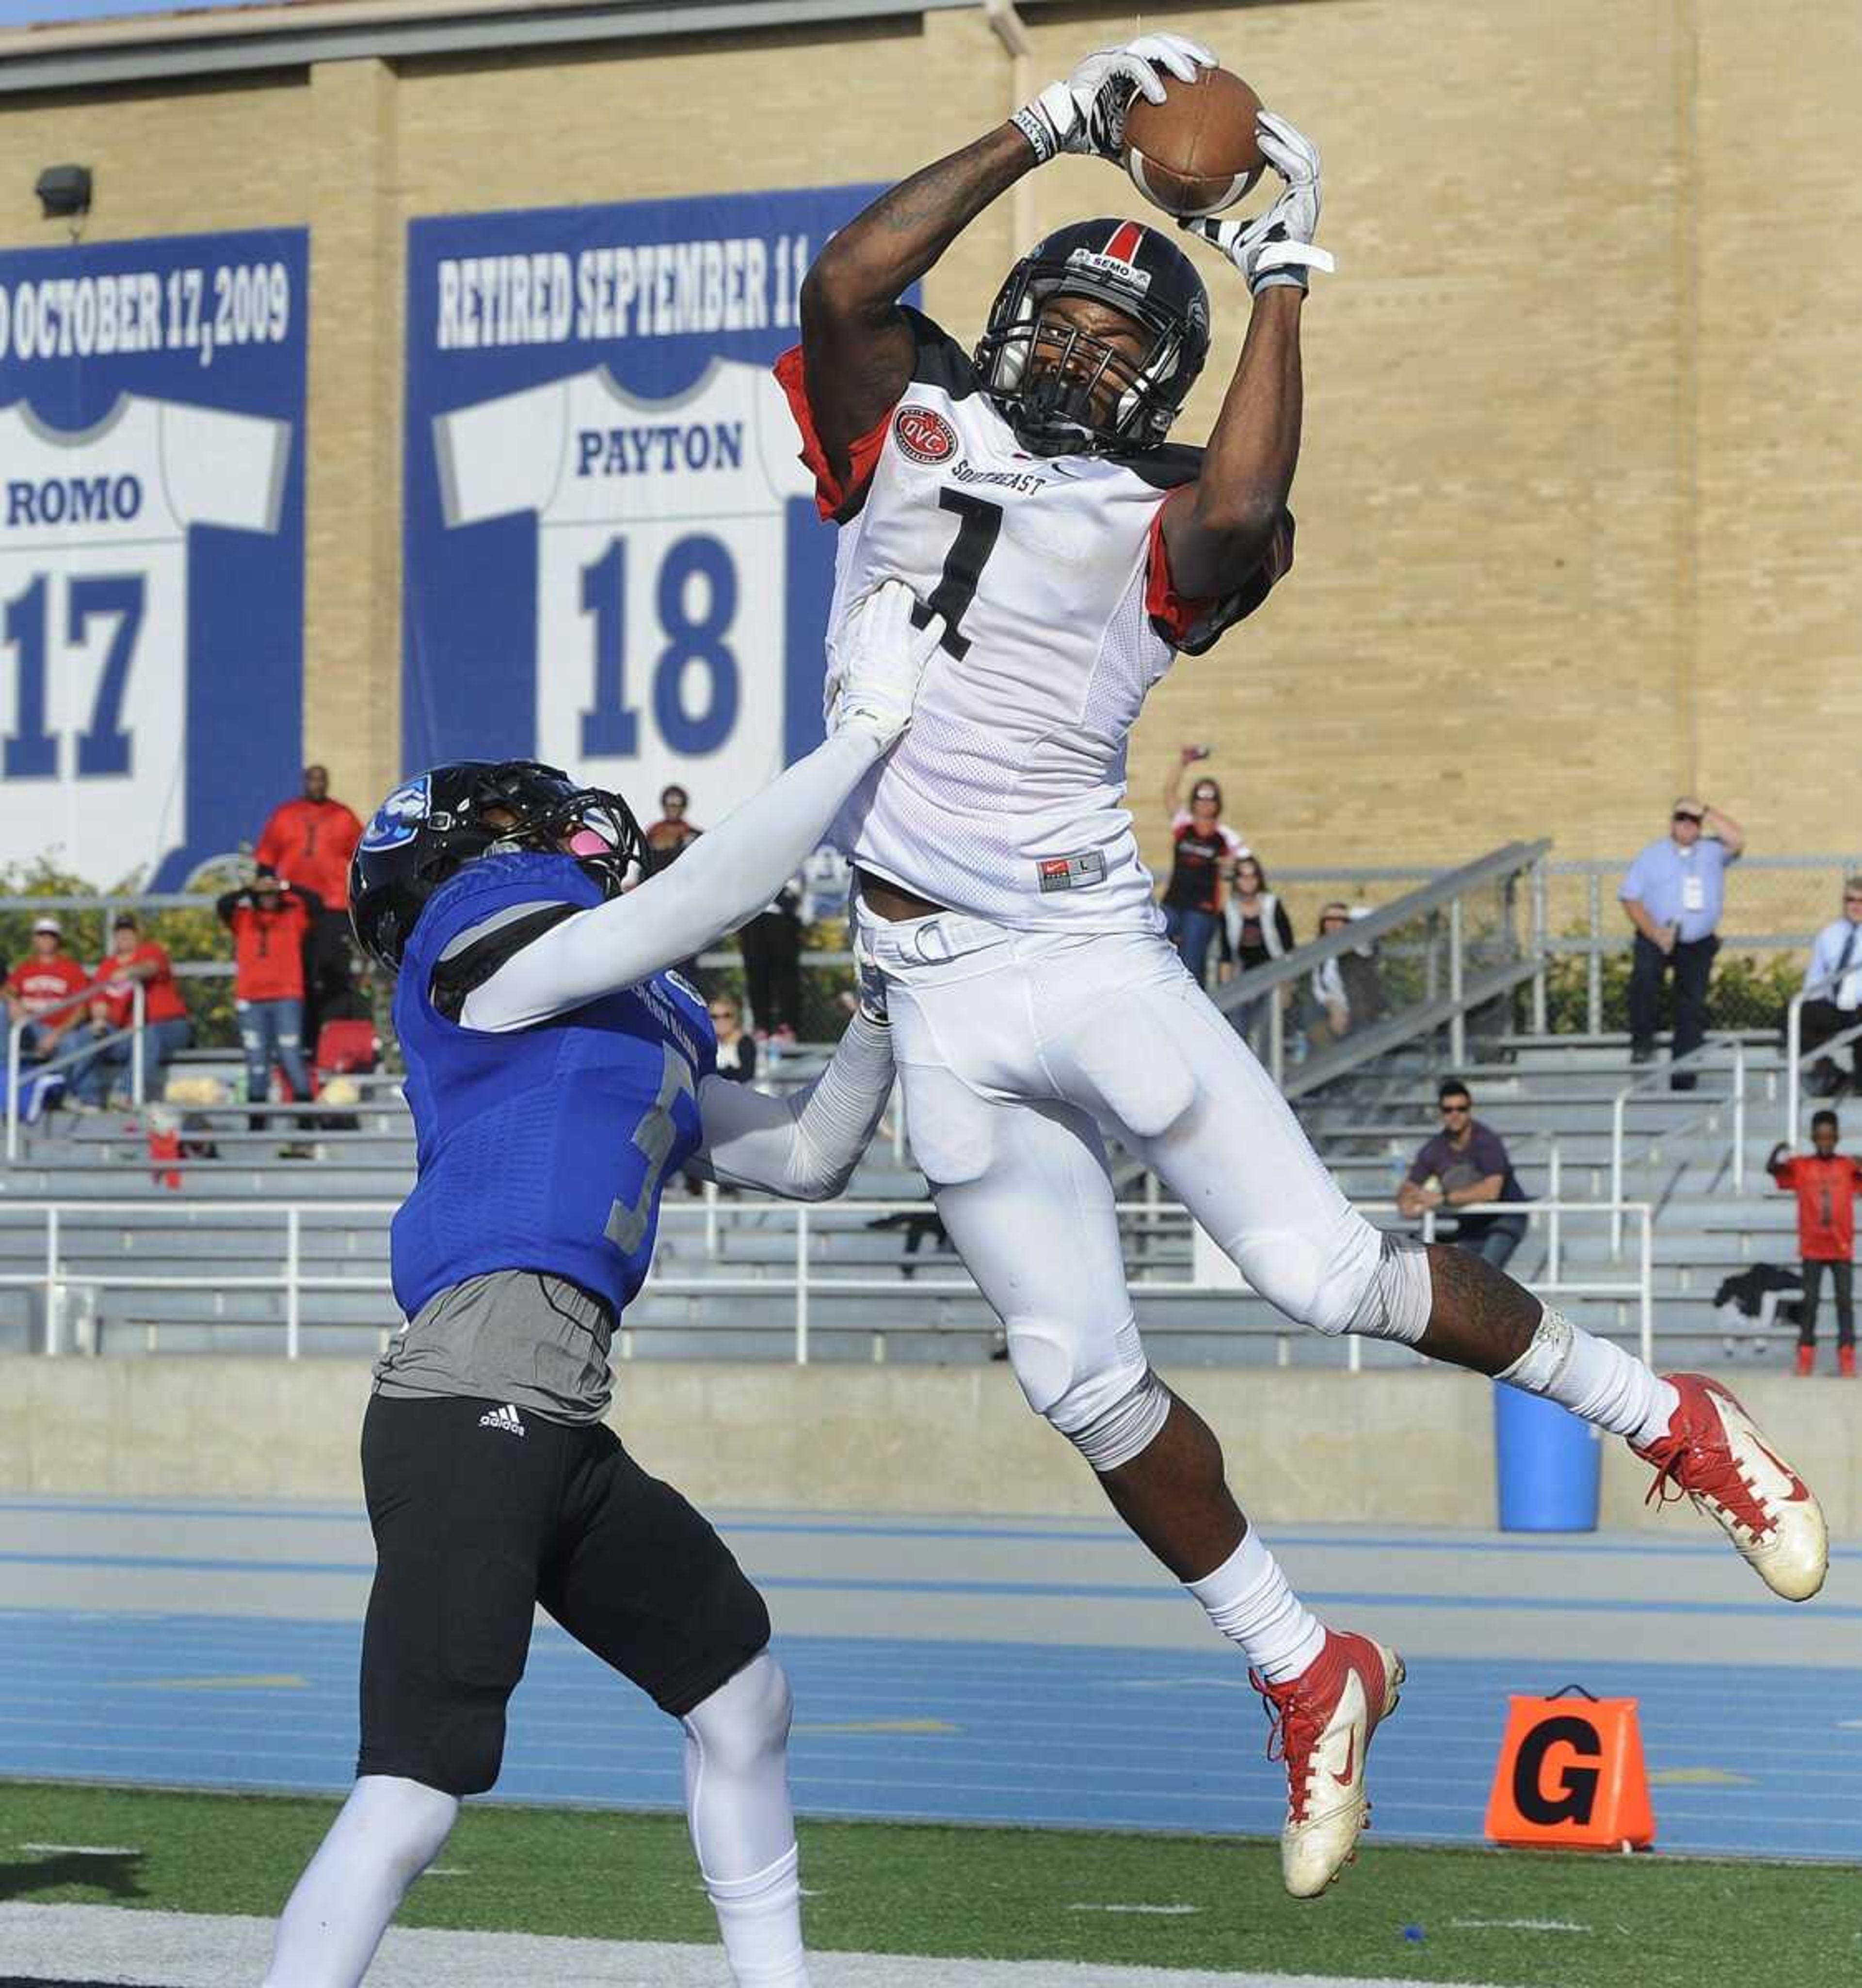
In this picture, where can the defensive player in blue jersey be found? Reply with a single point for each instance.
(557, 1072)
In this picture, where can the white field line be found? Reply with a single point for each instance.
(185, 1950)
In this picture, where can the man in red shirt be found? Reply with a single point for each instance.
(311, 840)
(37, 988)
(166, 1027)
(1826, 1183)
(269, 920)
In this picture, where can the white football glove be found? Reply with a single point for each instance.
(1086, 113)
(881, 660)
(1275, 247)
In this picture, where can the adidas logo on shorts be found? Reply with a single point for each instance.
(505, 1418)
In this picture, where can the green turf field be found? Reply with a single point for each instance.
(1538, 1921)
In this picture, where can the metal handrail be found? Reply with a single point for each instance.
(16, 1033)
(1446, 890)
(294, 1281)
(1619, 1113)
(1794, 1037)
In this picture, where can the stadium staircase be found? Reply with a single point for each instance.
(725, 1277)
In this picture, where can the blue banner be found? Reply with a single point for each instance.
(613, 559)
(151, 549)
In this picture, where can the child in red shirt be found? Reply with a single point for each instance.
(1826, 1183)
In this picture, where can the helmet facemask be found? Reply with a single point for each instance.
(553, 816)
(1052, 388)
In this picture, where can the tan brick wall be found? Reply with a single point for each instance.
(1579, 518)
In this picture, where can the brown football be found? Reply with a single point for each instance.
(1195, 153)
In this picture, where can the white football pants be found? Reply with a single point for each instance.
(1014, 1048)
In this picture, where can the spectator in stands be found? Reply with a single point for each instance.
(736, 1050)
(1464, 1163)
(1826, 1183)
(736, 1063)
(672, 831)
(1255, 931)
(1832, 993)
(1673, 894)
(1327, 1015)
(37, 988)
(1259, 927)
(270, 919)
(166, 1027)
(668, 837)
(1204, 853)
(771, 944)
(311, 840)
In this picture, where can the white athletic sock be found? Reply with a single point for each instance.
(737, 1803)
(386, 1833)
(1249, 1601)
(1595, 1379)
(760, 1919)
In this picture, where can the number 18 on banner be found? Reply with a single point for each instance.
(662, 570)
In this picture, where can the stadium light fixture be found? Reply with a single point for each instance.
(63, 191)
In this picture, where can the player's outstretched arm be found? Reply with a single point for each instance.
(857, 345)
(730, 874)
(805, 1145)
(1219, 529)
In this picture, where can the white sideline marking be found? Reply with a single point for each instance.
(1524, 1925)
(1162, 1912)
(81, 1849)
(185, 1950)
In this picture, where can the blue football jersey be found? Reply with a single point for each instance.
(545, 1148)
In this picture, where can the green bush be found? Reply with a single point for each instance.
(1749, 991)
(189, 932)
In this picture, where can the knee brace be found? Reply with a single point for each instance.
(1377, 1286)
(1396, 1302)
(1076, 1385)
(1122, 1431)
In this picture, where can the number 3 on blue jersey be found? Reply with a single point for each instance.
(654, 1135)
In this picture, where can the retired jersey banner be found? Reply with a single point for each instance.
(614, 562)
(151, 549)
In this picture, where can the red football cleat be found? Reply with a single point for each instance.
(1846, 1362)
(1806, 1361)
(1714, 1454)
(1322, 1721)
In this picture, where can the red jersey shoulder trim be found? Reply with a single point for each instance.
(1191, 624)
(833, 500)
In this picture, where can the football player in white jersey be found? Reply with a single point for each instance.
(1026, 491)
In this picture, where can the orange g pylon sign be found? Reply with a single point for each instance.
(1570, 1776)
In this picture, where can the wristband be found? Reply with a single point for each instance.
(1032, 123)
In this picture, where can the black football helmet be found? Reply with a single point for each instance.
(432, 825)
(1134, 270)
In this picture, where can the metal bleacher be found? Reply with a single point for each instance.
(276, 1240)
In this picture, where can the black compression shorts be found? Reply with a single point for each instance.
(474, 1524)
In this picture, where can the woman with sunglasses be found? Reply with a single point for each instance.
(1206, 852)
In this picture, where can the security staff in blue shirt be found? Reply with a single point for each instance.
(1673, 894)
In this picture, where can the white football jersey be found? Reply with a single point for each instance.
(1005, 799)
(661, 568)
(93, 615)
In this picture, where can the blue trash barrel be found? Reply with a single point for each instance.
(1548, 1465)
